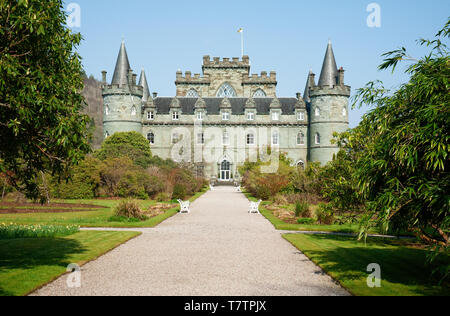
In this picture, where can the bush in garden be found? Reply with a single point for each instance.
(325, 214)
(306, 221)
(179, 192)
(12, 231)
(302, 210)
(129, 209)
(162, 197)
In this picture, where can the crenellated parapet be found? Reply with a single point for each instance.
(226, 63)
(196, 79)
(263, 79)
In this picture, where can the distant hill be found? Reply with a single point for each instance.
(92, 93)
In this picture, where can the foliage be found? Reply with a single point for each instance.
(127, 144)
(162, 197)
(402, 146)
(129, 209)
(324, 214)
(41, 128)
(306, 221)
(302, 210)
(179, 192)
(12, 231)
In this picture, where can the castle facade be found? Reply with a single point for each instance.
(225, 116)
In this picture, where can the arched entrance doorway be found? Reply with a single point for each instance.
(225, 170)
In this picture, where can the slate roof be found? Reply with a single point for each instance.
(187, 105)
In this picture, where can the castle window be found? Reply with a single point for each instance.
(250, 138)
(317, 138)
(200, 116)
(301, 116)
(275, 138)
(300, 138)
(106, 134)
(301, 165)
(107, 110)
(226, 138)
(275, 116)
(150, 115)
(317, 112)
(200, 138)
(226, 91)
(259, 94)
(175, 115)
(225, 116)
(151, 138)
(192, 93)
(344, 112)
(133, 110)
(250, 116)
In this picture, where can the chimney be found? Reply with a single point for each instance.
(133, 80)
(299, 95)
(155, 95)
(341, 76)
(104, 76)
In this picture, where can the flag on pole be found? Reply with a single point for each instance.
(241, 30)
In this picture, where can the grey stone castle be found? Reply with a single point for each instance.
(225, 116)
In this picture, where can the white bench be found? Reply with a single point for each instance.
(254, 207)
(239, 189)
(184, 207)
(211, 187)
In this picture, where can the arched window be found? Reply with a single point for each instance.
(226, 91)
(192, 93)
(317, 112)
(300, 138)
(133, 110)
(259, 94)
(107, 109)
(344, 112)
(317, 138)
(151, 138)
(106, 134)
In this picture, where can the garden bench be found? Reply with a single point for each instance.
(254, 207)
(239, 189)
(211, 187)
(184, 207)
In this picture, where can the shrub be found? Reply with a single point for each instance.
(129, 209)
(179, 192)
(306, 221)
(302, 210)
(280, 199)
(162, 197)
(325, 214)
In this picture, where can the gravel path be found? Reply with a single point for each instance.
(218, 249)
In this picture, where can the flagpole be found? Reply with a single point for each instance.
(242, 43)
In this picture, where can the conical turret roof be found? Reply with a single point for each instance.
(306, 97)
(120, 76)
(329, 69)
(144, 84)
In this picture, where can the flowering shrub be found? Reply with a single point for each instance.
(12, 231)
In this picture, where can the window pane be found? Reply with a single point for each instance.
(226, 91)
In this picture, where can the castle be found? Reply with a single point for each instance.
(225, 116)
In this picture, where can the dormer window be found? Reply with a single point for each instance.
(150, 115)
(275, 116)
(200, 115)
(250, 116)
(300, 116)
(175, 116)
(225, 116)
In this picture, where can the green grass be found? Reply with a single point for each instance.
(96, 218)
(403, 268)
(27, 264)
(281, 225)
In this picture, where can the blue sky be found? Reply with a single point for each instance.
(286, 36)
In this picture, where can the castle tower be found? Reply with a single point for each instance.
(328, 105)
(123, 98)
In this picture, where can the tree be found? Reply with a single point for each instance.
(402, 146)
(41, 128)
(127, 144)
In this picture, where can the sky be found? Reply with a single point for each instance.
(286, 36)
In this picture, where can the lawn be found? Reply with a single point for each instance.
(27, 264)
(93, 218)
(403, 269)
